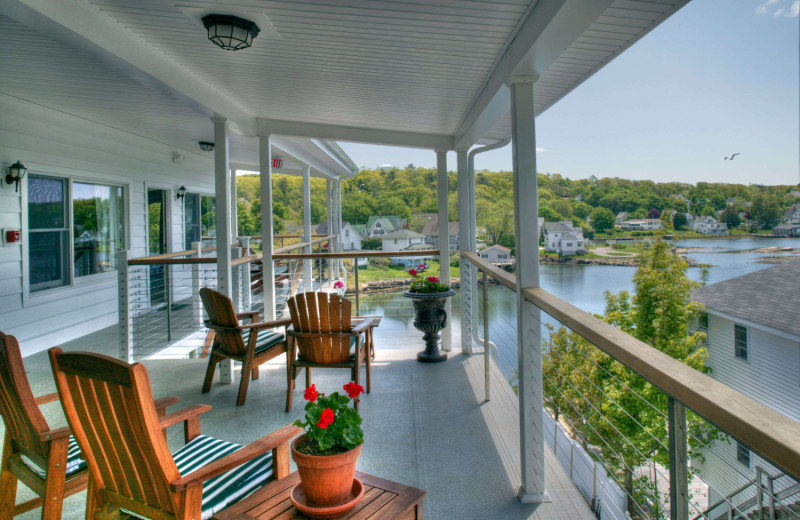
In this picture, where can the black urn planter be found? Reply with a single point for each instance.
(430, 318)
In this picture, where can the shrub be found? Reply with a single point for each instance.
(455, 260)
(617, 245)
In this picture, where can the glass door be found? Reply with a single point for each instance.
(157, 242)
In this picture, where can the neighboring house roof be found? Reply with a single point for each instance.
(393, 221)
(794, 193)
(558, 227)
(360, 228)
(498, 247)
(403, 233)
(569, 236)
(322, 229)
(432, 228)
(769, 297)
(787, 227)
(419, 247)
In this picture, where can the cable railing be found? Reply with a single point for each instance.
(642, 434)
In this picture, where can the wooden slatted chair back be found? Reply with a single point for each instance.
(109, 406)
(222, 319)
(21, 415)
(328, 317)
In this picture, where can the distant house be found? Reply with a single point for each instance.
(642, 224)
(709, 226)
(792, 214)
(497, 255)
(621, 216)
(431, 232)
(789, 230)
(794, 193)
(377, 226)
(565, 239)
(753, 347)
(406, 240)
(350, 236)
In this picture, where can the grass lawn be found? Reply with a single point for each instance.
(374, 273)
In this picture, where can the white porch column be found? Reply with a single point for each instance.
(308, 278)
(268, 266)
(234, 207)
(222, 192)
(339, 248)
(444, 242)
(329, 207)
(526, 212)
(469, 278)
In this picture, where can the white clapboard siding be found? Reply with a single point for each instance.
(50, 142)
(771, 375)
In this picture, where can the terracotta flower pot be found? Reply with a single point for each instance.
(327, 480)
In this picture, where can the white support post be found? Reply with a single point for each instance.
(267, 241)
(197, 284)
(247, 293)
(234, 207)
(308, 273)
(339, 262)
(236, 285)
(529, 325)
(222, 187)
(469, 279)
(329, 205)
(444, 242)
(125, 314)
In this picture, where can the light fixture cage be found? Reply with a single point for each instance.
(230, 32)
(206, 146)
(15, 174)
(181, 193)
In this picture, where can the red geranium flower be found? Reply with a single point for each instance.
(338, 284)
(326, 419)
(353, 390)
(433, 279)
(311, 393)
(412, 272)
(421, 267)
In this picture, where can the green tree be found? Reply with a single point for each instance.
(679, 222)
(603, 219)
(609, 406)
(730, 216)
(549, 214)
(765, 210)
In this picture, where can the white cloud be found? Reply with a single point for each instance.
(780, 8)
(540, 149)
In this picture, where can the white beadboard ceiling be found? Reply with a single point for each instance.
(413, 67)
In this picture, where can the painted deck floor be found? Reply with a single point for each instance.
(425, 425)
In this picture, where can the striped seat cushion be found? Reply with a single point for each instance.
(74, 461)
(266, 338)
(228, 488)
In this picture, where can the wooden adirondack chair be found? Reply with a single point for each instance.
(47, 461)
(322, 335)
(251, 344)
(110, 408)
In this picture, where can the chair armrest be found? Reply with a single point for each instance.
(161, 404)
(49, 435)
(44, 399)
(364, 325)
(237, 458)
(182, 415)
(267, 324)
(253, 315)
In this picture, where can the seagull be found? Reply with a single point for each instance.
(732, 156)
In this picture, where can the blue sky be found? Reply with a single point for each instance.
(718, 77)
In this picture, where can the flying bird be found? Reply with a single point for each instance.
(732, 156)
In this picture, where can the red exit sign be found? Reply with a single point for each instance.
(277, 163)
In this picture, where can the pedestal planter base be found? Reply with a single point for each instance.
(430, 318)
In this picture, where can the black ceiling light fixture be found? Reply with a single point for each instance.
(206, 146)
(230, 32)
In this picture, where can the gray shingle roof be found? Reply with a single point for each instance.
(770, 297)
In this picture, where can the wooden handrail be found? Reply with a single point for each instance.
(151, 260)
(177, 254)
(766, 431)
(356, 254)
(314, 235)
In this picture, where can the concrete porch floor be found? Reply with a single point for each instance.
(425, 425)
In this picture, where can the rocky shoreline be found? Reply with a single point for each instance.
(398, 283)
(578, 260)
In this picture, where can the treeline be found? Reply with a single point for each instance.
(413, 190)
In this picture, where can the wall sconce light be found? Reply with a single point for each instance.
(206, 146)
(15, 174)
(230, 32)
(181, 194)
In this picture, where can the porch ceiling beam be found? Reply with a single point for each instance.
(354, 134)
(84, 27)
(551, 27)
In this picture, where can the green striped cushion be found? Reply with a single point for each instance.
(228, 488)
(74, 461)
(266, 338)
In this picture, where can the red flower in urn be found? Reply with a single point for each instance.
(420, 284)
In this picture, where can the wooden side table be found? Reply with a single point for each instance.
(383, 499)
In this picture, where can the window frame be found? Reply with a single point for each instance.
(743, 452)
(736, 346)
(702, 317)
(81, 284)
(200, 194)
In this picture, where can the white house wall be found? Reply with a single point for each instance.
(50, 142)
(771, 375)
